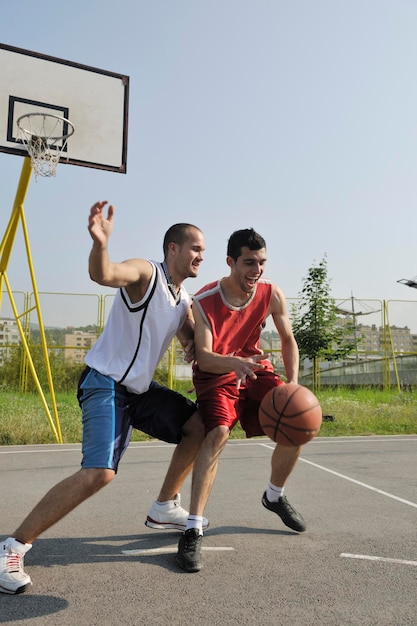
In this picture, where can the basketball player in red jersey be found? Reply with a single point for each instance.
(232, 375)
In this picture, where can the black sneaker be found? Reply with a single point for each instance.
(189, 550)
(287, 513)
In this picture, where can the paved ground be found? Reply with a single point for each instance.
(355, 565)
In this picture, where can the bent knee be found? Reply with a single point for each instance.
(218, 436)
(97, 477)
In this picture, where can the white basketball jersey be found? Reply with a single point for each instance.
(137, 335)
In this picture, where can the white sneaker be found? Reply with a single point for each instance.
(169, 515)
(12, 577)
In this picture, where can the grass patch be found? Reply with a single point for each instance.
(369, 412)
(356, 412)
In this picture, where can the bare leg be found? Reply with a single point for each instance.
(205, 468)
(182, 460)
(283, 461)
(60, 500)
(204, 474)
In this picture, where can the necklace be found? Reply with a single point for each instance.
(175, 293)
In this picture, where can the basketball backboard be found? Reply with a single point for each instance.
(94, 100)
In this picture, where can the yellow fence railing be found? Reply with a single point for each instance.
(387, 355)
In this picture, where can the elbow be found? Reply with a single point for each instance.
(99, 278)
(203, 364)
(94, 277)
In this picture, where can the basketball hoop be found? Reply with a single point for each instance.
(45, 138)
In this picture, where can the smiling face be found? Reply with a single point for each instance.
(247, 269)
(184, 260)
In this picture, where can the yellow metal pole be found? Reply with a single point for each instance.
(386, 364)
(30, 362)
(10, 233)
(394, 361)
(41, 327)
(5, 252)
(24, 369)
(170, 357)
(101, 311)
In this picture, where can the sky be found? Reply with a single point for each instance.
(295, 117)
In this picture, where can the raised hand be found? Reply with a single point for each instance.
(100, 227)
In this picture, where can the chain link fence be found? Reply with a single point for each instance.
(386, 334)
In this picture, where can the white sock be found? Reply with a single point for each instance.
(195, 521)
(274, 493)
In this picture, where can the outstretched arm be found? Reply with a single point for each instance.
(289, 348)
(101, 269)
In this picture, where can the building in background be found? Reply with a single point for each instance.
(373, 342)
(77, 344)
(9, 337)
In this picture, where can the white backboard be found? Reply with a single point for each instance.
(94, 100)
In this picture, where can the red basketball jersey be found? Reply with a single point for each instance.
(236, 330)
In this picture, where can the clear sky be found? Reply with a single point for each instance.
(296, 117)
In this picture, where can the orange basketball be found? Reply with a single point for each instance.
(290, 415)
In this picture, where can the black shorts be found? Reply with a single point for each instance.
(109, 412)
(160, 412)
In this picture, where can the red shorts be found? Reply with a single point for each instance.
(226, 405)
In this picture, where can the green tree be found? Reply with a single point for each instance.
(315, 322)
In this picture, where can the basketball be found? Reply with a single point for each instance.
(290, 414)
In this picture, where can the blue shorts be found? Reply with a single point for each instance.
(109, 412)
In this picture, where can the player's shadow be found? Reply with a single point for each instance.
(118, 548)
(247, 530)
(100, 549)
(29, 606)
(115, 549)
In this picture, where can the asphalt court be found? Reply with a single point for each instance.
(355, 564)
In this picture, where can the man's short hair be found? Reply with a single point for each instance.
(178, 233)
(246, 238)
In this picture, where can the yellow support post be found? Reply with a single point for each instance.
(388, 339)
(171, 364)
(18, 216)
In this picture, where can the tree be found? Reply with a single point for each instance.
(315, 322)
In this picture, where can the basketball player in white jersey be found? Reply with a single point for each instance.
(116, 392)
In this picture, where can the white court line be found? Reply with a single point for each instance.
(43, 448)
(356, 482)
(384, 559)
(44, 451)
(364, 439)
(170, 550)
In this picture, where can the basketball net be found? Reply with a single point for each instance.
(45, 138)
